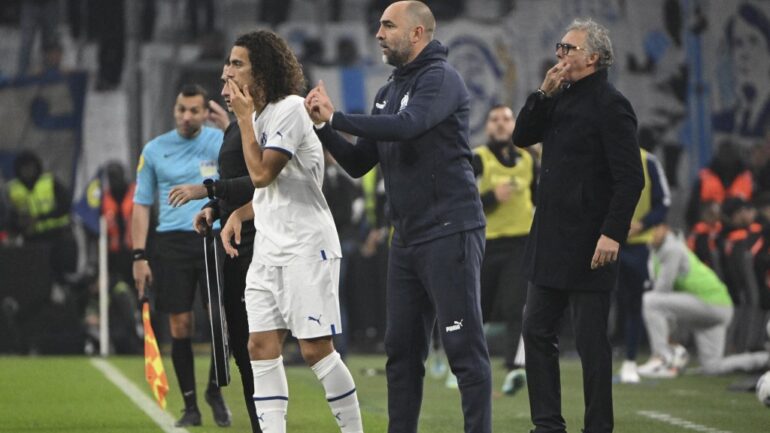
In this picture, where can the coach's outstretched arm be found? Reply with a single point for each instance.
(357, 159)
(435, 97)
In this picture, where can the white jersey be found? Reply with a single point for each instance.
(293, 220)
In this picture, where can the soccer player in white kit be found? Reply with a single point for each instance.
(293, 279)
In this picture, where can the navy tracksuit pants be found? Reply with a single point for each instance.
(437, 280)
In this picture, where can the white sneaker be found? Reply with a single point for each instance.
(628, 373)
(514, 381)
(437, 364)
(451, 381)
(656, 368)
(680, 358)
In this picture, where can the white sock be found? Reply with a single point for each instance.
(271, 394)
(340, 392)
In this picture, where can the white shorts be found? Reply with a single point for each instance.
(302, 298)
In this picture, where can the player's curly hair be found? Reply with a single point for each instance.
(274, 66)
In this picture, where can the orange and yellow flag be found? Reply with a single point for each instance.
(153, 365)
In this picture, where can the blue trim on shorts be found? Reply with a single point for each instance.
(340, 397)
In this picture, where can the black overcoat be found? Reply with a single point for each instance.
(590, 180)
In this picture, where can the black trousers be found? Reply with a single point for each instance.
(542, 316)
(504, 289)
(234, 275)
(434, 280)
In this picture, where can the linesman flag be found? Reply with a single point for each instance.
(153, 365)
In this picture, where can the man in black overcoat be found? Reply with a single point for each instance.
(590, 182)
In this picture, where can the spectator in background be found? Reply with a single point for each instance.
(37, 15)
(633, 275)
(52, 57)
(689, 295)
(117, 207)
(727, 175)
(40, 212)
(739, 244)
(702, 239)
(507, 177)
(4, 208)
(762, 260)
(196, 8)
(109, 20)
(274, 12)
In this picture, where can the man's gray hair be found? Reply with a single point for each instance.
(597, 40)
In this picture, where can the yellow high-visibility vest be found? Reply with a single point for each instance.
(39, 201)
(514, 217)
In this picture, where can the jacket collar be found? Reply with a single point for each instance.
(432, 52)
(589, 81)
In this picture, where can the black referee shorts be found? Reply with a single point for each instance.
(178, 268)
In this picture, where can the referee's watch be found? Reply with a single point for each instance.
(209, 184)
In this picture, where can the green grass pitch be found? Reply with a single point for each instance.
(68, 394)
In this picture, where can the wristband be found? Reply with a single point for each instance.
(541, 93)
(209, 184)
(138, 254)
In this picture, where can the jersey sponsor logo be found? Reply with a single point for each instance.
(381, 105)
(263, 139)
(315, 319)
(458, 325)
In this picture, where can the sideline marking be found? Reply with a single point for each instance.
(679, 422)
(145, 403)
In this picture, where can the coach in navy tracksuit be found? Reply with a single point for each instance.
(418, 132)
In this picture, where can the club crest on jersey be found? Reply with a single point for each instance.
(404, 101)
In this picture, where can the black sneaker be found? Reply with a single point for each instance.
(190, 417)
(222, 415)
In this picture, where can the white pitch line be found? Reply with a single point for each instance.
(145, 403)
(679, 422)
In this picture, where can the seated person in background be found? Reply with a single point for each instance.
(687, 293)
(762, 260)
(739, 244)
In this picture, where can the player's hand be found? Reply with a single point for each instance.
(606, 252)
(182, 194)
(636, 228)
(218, 115)
(373, 239)
(240, 100)
(203, 220)
(503, 192)
(142, 276)
(231, 231)
(318, 104)
(554, 79)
